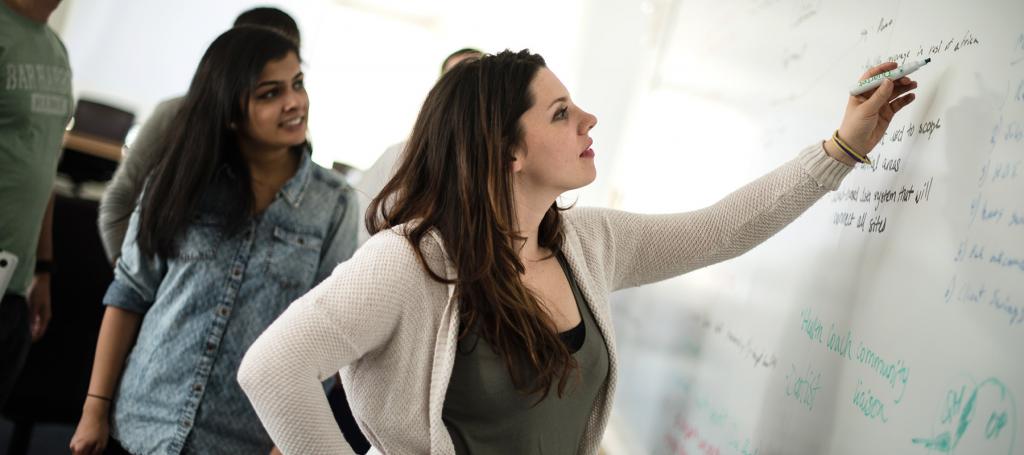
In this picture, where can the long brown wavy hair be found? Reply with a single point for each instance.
(456, 177)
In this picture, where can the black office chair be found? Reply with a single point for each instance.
(99, 121)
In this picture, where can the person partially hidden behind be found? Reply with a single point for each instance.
(374, 178)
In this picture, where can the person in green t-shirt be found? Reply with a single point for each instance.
(35, 106)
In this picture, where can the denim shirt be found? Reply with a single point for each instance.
(203, 308)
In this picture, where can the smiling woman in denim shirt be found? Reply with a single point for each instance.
(235, 222)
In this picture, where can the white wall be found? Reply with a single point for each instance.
(369, 64)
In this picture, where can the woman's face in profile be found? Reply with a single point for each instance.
(555, 153)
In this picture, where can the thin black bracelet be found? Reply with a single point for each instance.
(851, 155)
(99, 397)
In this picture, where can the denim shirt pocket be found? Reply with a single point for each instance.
(295, 258)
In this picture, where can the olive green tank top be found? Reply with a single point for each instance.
(485, 414)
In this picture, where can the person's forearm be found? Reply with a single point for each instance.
(662, 246)
(117, 336)
(118, 201)
(283, 368)
(114, 212)
(44, 250)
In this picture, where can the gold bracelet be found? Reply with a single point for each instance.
(849, 150)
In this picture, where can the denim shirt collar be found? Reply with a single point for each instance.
(293, 190)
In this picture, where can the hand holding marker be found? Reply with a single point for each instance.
(867, 117)
(876, 80)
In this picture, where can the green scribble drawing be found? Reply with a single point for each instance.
(996, 420)
(939, 443)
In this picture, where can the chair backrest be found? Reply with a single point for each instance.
(102, 120)
(99, 121)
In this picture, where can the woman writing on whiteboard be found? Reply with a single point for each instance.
(476, 319)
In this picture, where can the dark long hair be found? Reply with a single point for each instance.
(456, 177)
(201, 147)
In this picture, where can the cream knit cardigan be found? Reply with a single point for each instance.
(391, 329)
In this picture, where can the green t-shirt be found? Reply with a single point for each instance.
(35, 106)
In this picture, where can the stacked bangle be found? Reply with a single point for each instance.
(849, 150)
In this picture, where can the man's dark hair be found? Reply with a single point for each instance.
(270, 17)
(459, 53)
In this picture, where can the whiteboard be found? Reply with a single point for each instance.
(889, 318)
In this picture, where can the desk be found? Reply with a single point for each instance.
(92, 145)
